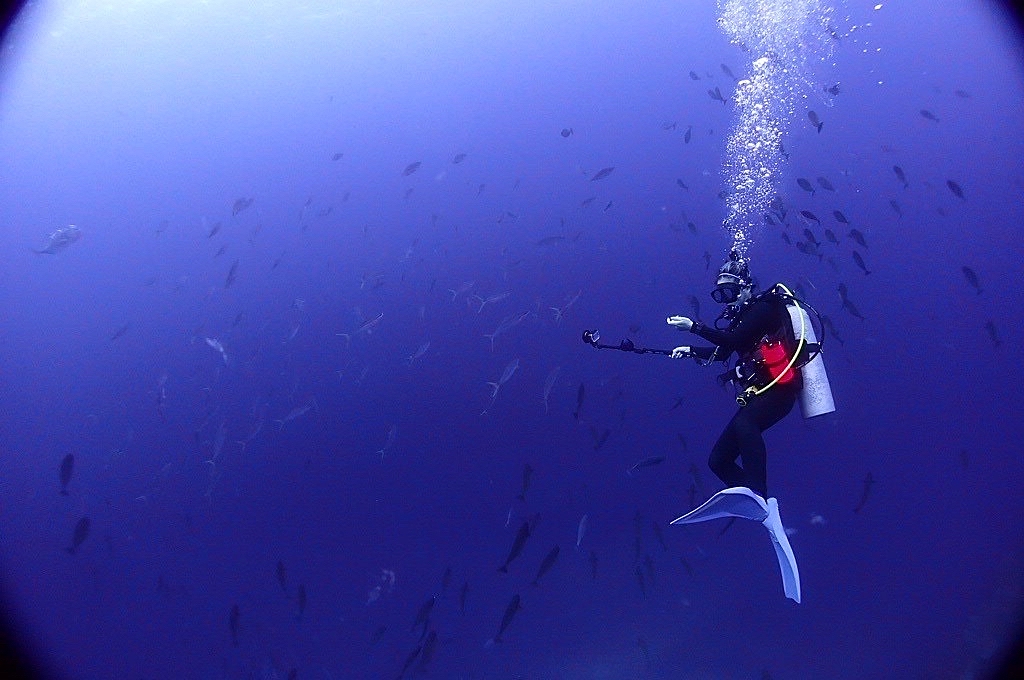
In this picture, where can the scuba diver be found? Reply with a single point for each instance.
(779, 362)
(761, 333)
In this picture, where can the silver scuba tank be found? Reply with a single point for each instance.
(816, 395)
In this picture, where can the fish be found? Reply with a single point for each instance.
(646, 462)
(233, 618)
(716, 95)
(668, 126)
(337, 156)
(825, 184)
(815, 121)
(506, 375)
(809, 235)
(641, 581)
(694, 76)
(830, 236)
(78, 536)
(901, 176)
(869, 481)
(490, 299)
(427, 653)
(956, 189)
(282, 577)
(707, 260)
(423, 615)
(972, 278)
(692, 227)
(517, 546)
(602, 173)
(301, 600)
(232, 272)
(830, 327)
(785, 237)
(388, 441)
(810, 217)
(60, 239)
(549, 383)
(681, 184)
(587, 201)
(570, 301)
(527, 476)
(727, 71)
(216, 344)
(240, 204)
(545, 565)
(458, 158)
(409, 660)
(446, 579)
(296, 412)
(896, 207)
(925, 113)
(214, 230)
(581, 530)
(579, 402)
(566, 132)
(120, 331)
(377, 635)
(599, 437)
(688, 134)
(694, 306)
(463, 592)
(990, 326)
(411, 168)
(847, 304)
(420, 351)
(832, 90)
(659, 535)
(805, 185)
(860, 262)
(551, 240)
(507, 324)
(840, 217)
(364, 328)
(67, 467)
(220, 251)
(506, 619)
(857, 236)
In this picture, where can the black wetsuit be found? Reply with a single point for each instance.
(764, 315)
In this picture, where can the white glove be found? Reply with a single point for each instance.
(681, 352)
(681, 322)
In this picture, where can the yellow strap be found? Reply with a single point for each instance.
(799, 347)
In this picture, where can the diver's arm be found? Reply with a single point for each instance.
(754, 322)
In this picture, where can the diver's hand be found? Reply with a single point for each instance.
(681, 322)
(681, 352)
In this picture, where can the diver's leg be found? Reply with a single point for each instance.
(762, 412)
(724, 454)
(751, 450)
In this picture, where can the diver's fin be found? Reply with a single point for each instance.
(737, 501)
(783, 551)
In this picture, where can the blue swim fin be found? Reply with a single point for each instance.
(741, 502)
(738, 501)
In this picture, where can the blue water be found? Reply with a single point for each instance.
(143, 124)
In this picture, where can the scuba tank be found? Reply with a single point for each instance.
(816, 394)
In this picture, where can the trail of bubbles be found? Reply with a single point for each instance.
(787, 41)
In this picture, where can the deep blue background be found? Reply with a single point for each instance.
(144, 124)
